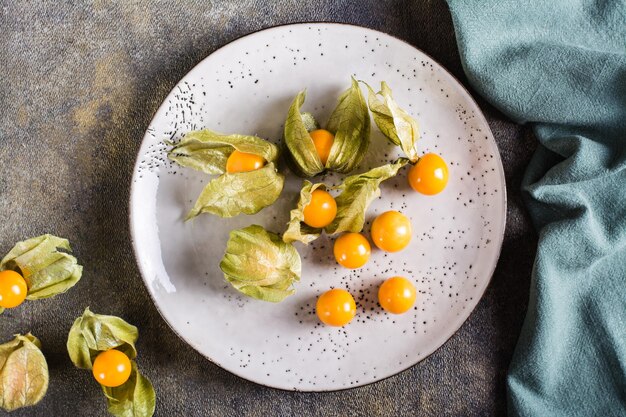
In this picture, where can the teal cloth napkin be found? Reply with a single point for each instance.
(560, 65)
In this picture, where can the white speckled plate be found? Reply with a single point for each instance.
(246, 87)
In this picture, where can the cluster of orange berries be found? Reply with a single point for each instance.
(390, 232)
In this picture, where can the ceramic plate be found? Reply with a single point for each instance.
(247, 87)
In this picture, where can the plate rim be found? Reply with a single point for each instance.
(428, 353)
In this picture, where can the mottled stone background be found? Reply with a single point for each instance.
(80, 82)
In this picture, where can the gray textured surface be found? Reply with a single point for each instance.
(78, 86)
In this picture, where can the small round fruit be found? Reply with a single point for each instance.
(111, 368)
(397, 295)
(13, 289)
(243, 162)
(391, 231)
(429, 175)
(323, 141)
(321, 211)
(352, 250)
(336, 307)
